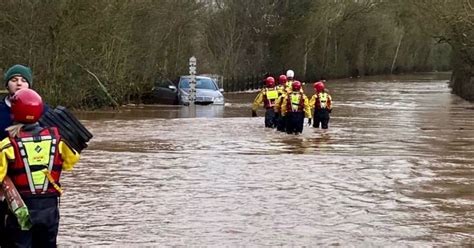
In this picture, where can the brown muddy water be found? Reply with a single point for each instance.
(396, 168)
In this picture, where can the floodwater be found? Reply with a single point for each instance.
(395, 168)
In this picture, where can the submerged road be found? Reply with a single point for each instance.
(396, 168)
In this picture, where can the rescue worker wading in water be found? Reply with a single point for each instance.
(280, 121)
(296, 107)
(33, 158)
(268, 96)
(321, 102)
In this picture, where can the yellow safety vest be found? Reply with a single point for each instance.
(323, 99)
(271, 94)
(295, 102)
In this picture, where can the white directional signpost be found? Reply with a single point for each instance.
(192, 86)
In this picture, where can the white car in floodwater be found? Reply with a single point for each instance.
(207, 91)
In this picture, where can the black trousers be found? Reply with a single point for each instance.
(280, 122)
(321, 117)
(3, 213)
(44, 216)
(270, 118)
(295, 122)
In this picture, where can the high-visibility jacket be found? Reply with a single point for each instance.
(278, 102)
(34, 162)
(267, 96)
(321, 100)
(296, 102)
(289, 86)
(281, 89)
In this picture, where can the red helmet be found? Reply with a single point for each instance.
(319, 86)
(27, 106)
(296, 86)
(282, 79)
(270, 82)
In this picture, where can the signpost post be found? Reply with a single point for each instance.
(192, 86)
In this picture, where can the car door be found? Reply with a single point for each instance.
(165, 92)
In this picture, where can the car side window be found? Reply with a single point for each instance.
(164, 83)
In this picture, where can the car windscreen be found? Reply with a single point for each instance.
(201, 83)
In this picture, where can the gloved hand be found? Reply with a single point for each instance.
(254, 113)
(329, 110)
(309, 121)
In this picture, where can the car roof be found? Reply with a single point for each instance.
(200, 77)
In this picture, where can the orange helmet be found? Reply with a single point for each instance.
(282, 79)
(296, 86)
(270, 82)
(319, 86)
(27, 106)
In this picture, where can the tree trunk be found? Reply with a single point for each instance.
(396, 52)
(305, 58)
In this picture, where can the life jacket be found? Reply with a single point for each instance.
(38, 164)
(270, 95)
(295, 102)
(281, 89)
(322, 101)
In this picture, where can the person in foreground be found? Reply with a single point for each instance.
(15, 78)
(33, 158)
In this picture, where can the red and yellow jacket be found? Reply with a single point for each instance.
(321, 100)
(267, 96)
(296, 102)
(34, 163)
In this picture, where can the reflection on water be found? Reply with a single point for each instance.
(394, 169)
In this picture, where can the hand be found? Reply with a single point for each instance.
(254, 113)
(309, 121)
(329, 110)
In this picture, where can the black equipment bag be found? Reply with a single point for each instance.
(70, 128)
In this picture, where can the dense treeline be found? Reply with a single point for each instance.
(453, 22)
(89, 53)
